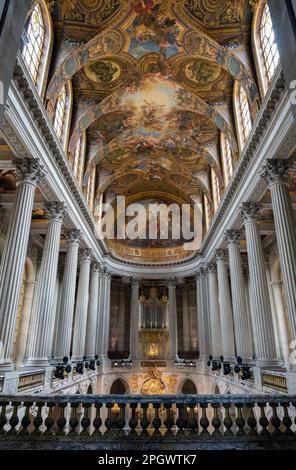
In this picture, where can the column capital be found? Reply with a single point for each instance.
(30, 170)
(221, 255)
(232, 237)
(95, 268)
(211, 268)
(56, 210)
(73, 237)
(250, 211)
(200, 273)
(85, 255)
(275, 171)
(172, 281)
(134, 281)
(108, 274)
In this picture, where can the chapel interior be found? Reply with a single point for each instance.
(172, 102)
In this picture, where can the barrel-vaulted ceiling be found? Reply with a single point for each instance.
(153, 85)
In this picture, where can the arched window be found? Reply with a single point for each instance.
(189, 388)
(34, 36)
(269, 48)
(227, 158)
(60, 113)
(117, 388)
(37, 44)
(245, 114)
(89, 192)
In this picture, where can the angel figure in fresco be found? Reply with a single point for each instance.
(154, 24)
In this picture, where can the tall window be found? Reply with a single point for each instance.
(246, 120)
(34, 42)
(269, 48)
(60, 112)
(77, 155)
(227, 156)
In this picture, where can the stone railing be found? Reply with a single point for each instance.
(186, 420)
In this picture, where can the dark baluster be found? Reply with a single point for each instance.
(61, 422)
(287, 422)
(14, 420)
(169, 422)
(133, 422)
(263, 421)
(294, 404)
(228, 423)
(275, 420)
(37, 421)
(3, 419)
(204, 422)
(251, 421)
(85, 421)
(216, 422)
(49, 421)
(181, 420)
(108, 420)
(97, 423)
(144, 421)
(156, 423)
(121, 418)
(26, 421)
(192, 421)
(73, 421)
(240, 422)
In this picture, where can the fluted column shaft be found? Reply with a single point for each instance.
(67, 304)
(172, 312)
(186, 320)
(92, 317)
(80, 321)
(216, 349)
(226, 318)
(243, 339)
(106, 315)
(275, 174)
(260, 302)
(43, 312)
(135, 323)
(202, 314)
(29, 173)
(101, 303)
(121, 320)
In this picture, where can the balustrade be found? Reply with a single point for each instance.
(190, 416)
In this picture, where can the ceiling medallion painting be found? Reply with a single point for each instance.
(153, 89)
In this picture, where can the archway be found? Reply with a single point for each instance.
(118, 388)
(189, 388)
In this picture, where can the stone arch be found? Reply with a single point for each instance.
(187, 383)
(119, 387)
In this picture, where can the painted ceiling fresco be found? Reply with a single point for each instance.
(153, 84)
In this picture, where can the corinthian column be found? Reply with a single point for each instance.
(29, 173)
(242, 323)
(260, 302)
(134, 322)
(202, 314)
(93, 309)
(43, 313)
(216, 349)
(106, 315)
(186, 319)
(80, 321)
(65, 318)
(172, 313)
(227, 329)
(275, 173)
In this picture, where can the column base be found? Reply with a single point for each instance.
(267, 363)
(6, 366)
(291, 381)
(77, 359)
(37, 362)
